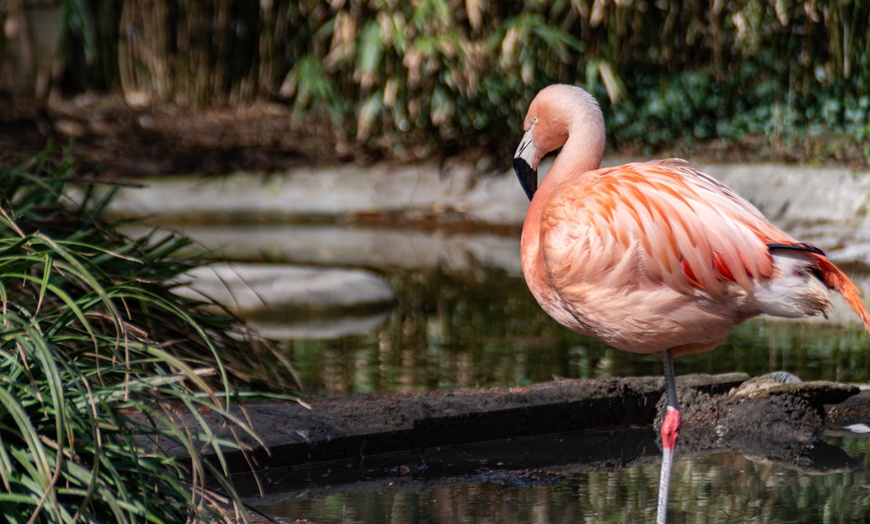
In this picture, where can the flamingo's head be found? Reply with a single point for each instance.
(556, 111)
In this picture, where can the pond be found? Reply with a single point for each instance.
(714, 487)
(463, 317)
(448, 332)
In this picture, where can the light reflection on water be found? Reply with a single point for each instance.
(717, 487)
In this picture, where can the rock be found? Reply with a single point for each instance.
(325, 429)
(854, 410)
(816, 393)
(783, 377)
(289, 325)
(712, 384)
(253, 288)
(382, 246)
(781, 428)
(425, 188)
(825, 207)
(597, 424)
(760, 417)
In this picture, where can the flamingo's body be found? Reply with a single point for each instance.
(653, 257)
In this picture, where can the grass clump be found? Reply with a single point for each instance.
(98, 363)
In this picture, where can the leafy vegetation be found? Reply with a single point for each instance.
(104, 373)
(405, 76)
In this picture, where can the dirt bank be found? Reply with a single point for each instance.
(123, 142)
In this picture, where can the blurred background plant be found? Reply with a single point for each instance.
(409, 77)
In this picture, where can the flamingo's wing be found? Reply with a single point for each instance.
(660, 222)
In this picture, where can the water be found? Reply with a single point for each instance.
(716, 487)
(449, 332)
(464, 318)
(486, 330)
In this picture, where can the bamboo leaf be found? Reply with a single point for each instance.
(369, 54)
(368, 113)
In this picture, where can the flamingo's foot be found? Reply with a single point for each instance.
(671, 428)
(670, 431)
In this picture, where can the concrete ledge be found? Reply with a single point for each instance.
(826, 206)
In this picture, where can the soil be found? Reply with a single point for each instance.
(120, 142)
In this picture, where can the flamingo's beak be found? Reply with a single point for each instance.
(526, 157)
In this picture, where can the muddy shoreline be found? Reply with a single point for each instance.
(520, 434)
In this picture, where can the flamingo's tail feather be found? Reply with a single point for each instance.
(835, 279)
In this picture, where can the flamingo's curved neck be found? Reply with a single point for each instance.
(582, 152)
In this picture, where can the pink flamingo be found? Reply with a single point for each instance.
(653, 257)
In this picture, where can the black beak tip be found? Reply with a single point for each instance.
(527, 176)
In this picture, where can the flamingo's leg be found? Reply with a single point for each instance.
(670, 431)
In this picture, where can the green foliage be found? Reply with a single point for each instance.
(98, 362)
(403, 76)
(407, 73)
(694, 105)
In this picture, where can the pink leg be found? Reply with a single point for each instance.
(670, 431)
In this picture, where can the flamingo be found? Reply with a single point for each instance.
(653, 257)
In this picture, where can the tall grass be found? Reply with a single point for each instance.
(104, 373)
